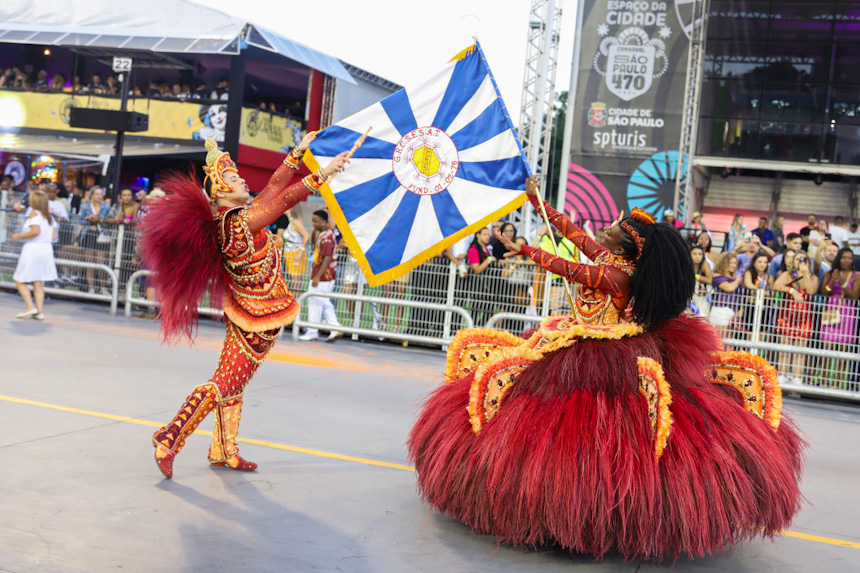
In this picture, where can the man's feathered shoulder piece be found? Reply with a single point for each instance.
(179, 243)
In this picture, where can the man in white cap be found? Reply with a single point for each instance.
(669, 217)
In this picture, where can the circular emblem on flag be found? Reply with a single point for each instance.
(425, 161)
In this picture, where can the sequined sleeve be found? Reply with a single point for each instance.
(603, 277)
(282, 176)
(577, 236)
(268, 206)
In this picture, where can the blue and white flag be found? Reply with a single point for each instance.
(442, 161)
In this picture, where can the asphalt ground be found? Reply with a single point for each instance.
(81, 393)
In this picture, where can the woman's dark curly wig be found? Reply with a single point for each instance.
(664, 280)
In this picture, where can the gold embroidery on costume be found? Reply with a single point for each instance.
(595, 306)
(196, 407)
(493, 379)
(257, 297)
(559, 332)
(496, 358)
(471, 346)
(754, 378)
(658, 396)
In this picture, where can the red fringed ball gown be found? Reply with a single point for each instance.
(598, 435)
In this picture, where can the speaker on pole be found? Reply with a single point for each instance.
(108, 119)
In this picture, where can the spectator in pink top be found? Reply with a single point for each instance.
(480, 260)
(669, 217)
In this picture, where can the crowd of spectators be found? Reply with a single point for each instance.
(88, 223)
(16, 78)
(809, 291)
(810, 282)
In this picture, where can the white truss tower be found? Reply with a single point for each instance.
(690, 118)
(539, 94)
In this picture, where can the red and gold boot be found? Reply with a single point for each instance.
(237, 462)
(164, 459)
(224, 452)
(170, 439)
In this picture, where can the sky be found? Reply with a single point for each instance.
(405, 40)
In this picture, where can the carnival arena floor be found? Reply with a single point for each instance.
(81, 393)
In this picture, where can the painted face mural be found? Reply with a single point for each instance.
(214, 118)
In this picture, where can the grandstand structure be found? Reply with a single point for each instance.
(779, 110)
(757, 107)
(277, 90)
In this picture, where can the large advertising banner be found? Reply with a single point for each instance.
(269, 131)
(176, 119)
(627, 109)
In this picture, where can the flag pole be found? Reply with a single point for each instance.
(354, 148)
(554, 245)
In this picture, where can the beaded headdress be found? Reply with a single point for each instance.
(217, 162)
(644, 217)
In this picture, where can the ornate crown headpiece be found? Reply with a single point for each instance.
(217, 162)
(641, 215)
(644, 217)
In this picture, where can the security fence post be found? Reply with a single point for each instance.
(4, 201)
(356, 319)
(449, 298)
(758, 310)
(120, 237)
(547, 293)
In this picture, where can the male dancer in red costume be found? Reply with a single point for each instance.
(223, 247)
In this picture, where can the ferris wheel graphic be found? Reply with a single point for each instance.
(684, 12)
(652, 185)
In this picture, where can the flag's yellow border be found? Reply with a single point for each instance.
(403, 268)
(467, 52)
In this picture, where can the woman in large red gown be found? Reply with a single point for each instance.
(621, 427)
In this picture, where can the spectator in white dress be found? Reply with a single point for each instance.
(36, 264)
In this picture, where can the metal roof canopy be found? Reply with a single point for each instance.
(142, 60)
(172, 26)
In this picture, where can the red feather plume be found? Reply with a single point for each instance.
(179, 243)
